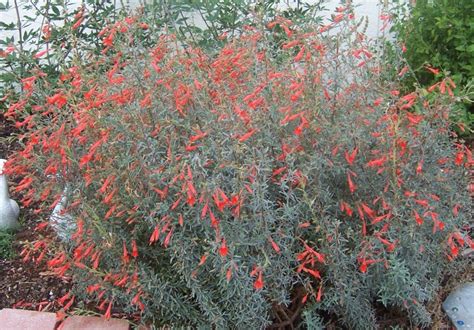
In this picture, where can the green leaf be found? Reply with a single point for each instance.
(7, 77)
(55, 10)
(4, 6)
(7, 27)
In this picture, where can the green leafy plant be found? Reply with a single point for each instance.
(438, 36)
(243, 189)
(47, 40)
(222, 19)
(6, 245)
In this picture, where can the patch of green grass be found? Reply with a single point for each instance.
(6, 244)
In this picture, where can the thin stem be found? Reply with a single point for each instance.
(213, 29)
(45, 17)
(43, 13)
(188, 28)
(20, 32)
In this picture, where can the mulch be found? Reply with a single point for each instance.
(27, 285)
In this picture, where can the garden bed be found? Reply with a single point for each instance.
(26, 284)
(173, 203)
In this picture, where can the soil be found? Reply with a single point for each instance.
(7, 139)
(26, 285)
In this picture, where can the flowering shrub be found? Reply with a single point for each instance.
(247, 188)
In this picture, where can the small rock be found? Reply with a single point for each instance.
(460, 306)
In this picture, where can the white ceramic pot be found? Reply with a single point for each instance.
(9, 210)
